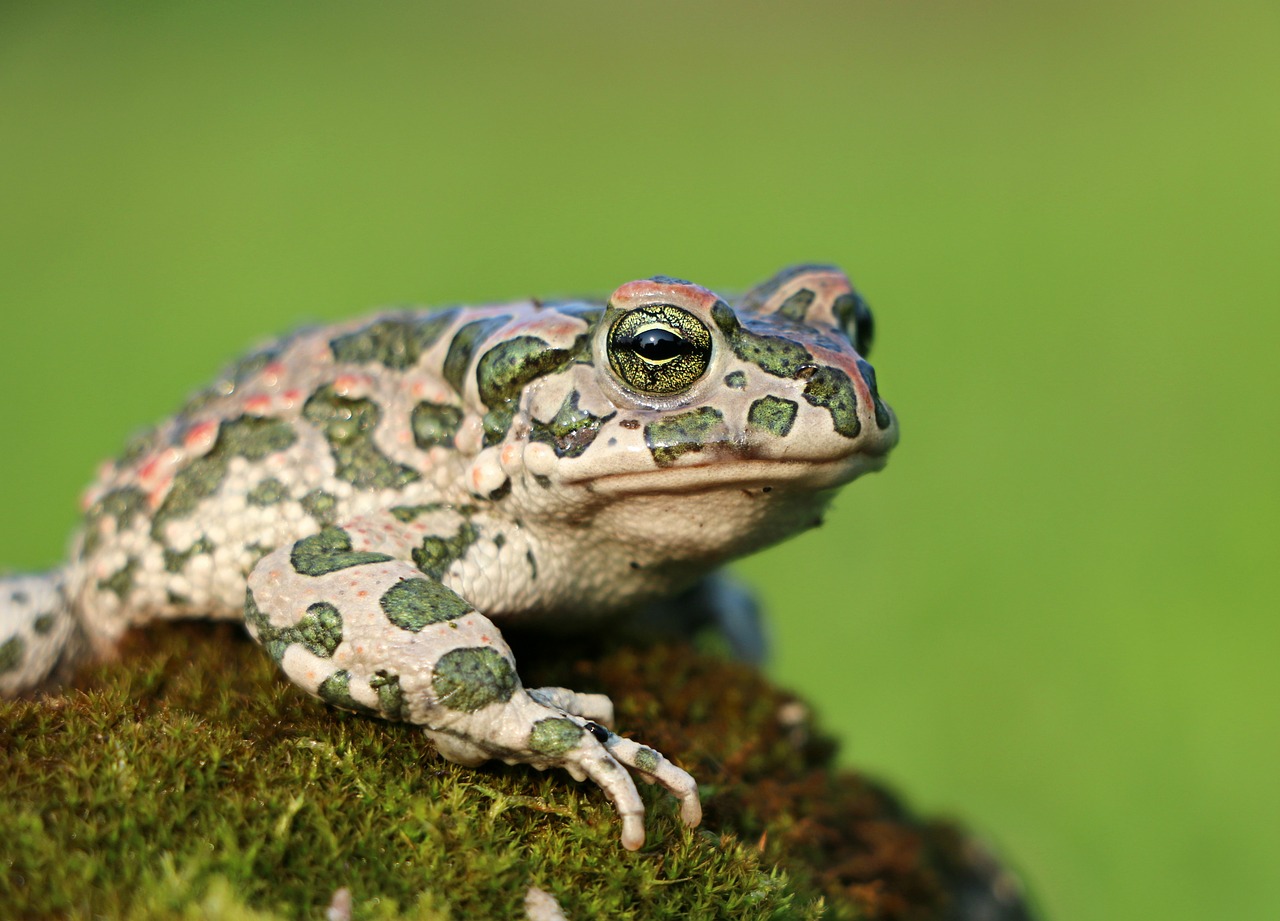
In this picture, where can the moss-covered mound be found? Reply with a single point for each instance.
(189, 780)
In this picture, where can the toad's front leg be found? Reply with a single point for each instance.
(349, 619)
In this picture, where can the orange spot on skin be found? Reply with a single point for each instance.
(271, 373)
(343, 384)
(291, 397)
(258, 404)
(200, 437)
(510, 454)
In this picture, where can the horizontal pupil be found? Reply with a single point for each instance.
(659, 344)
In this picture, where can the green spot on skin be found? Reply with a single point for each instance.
(571, 431)
(414, 603)
(11, 653)
(319, 630)
(321, 506)
(174, 560)
(436, 554)
(505, 370)
(408, 513)
(463, 347)
(735, 380)
(329, 551)
(43, 625)
(883, 417)
(647, 760)
(773, 415)
(435, 424)
(853, 316)
(348, 426)
(231, 379)
(336, 690)
(259, 627)
(251, 437)
(773, 354)
(135, 449)
(391, 700)
(395, 342)
(121, 581)
(831, 389)
(554, 736)
(758, 296)
(268, 492)
(797, 305)
(470, 678)
(681, 434)
(122, 505)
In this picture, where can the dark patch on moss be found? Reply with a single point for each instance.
(435, 554)
(571, 431)
(328, 551)
(473, 677)
(412, 604)
(43, 624)
(674, 436)
(348, 426)
(735, 380)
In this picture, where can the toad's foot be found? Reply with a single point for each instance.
(525, 730)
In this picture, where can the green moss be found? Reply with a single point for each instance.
(188, 780)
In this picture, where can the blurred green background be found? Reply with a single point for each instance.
(1054, 615)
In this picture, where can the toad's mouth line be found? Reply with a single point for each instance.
(741, 474)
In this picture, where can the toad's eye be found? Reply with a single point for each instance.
(659, 348)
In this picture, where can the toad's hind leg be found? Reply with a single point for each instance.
(349, 619)
(41, 641)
